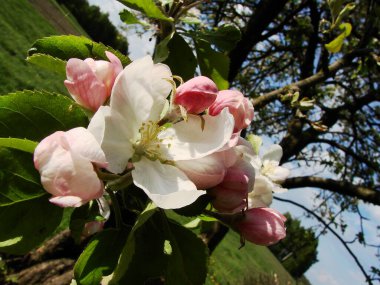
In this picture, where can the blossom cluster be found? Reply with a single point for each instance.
(176, 143)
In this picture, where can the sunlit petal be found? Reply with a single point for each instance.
(166, 185)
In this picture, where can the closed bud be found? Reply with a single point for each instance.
(196, 95)
(90, 81)
(262, 226)
(66, 162)
(239, 106)
(231, 194)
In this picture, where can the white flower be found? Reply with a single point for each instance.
(129, 131)
(268, 173)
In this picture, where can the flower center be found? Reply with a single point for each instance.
(268, 168)
(149, 145)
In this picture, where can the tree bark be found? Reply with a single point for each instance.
(265, 13)
(341, 187)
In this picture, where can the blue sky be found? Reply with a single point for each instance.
(335, 266)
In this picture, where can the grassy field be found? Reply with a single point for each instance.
(20, 26)
(250, 265)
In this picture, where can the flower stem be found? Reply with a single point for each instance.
(120, 183)
(116, 208)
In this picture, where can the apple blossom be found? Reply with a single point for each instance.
(129, 130)
(90, 81)
(66, 162)
(231, 194)
(262, 226)
(196, 94)
(269, 174)
(239, 106)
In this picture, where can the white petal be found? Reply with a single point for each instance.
(205, 172)
(262, 185)
(166, 185)
(116, 136)
(67, 201)
(274, 152)
(84, 143)
(186, 139)
(140, 90)
(279, 174)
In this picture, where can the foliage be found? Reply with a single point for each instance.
(298, 251)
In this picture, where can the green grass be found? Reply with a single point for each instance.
(20, 26)
(249, 265)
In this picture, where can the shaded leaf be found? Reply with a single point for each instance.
(82, 215)
(26, 225)
(181, 59)
(224, 38)
(161, 51)
(346, 10)
(100, 256)
(19, 180)
(37, 114)
(66, 47)
(176, 255)
(214, 65)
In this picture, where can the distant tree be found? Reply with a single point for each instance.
(298, 251)
(96, 24)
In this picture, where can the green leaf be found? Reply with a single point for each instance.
(181, 59)
(191, 20)
(82, 215)
(161, 52)
(49, 63)
(336, 44)
(188, 262)
(36, 114)
(100, 256)
(256, 142)
(147, 7)
(20, 144)
(334, 6)
(214, 65)
(224, 38)
(346, 10)
(127, 260)
(194, 209)
(19, 180)
(27, 224)
(176, 255)
(66, 47)
(130, 18)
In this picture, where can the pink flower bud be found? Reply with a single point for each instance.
(231, 194)
(66, 161)
(90, 81)
(262, 226)
(196, 95)
(239, 106)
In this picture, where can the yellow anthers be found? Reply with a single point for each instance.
(268, 167)
(149, 145)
